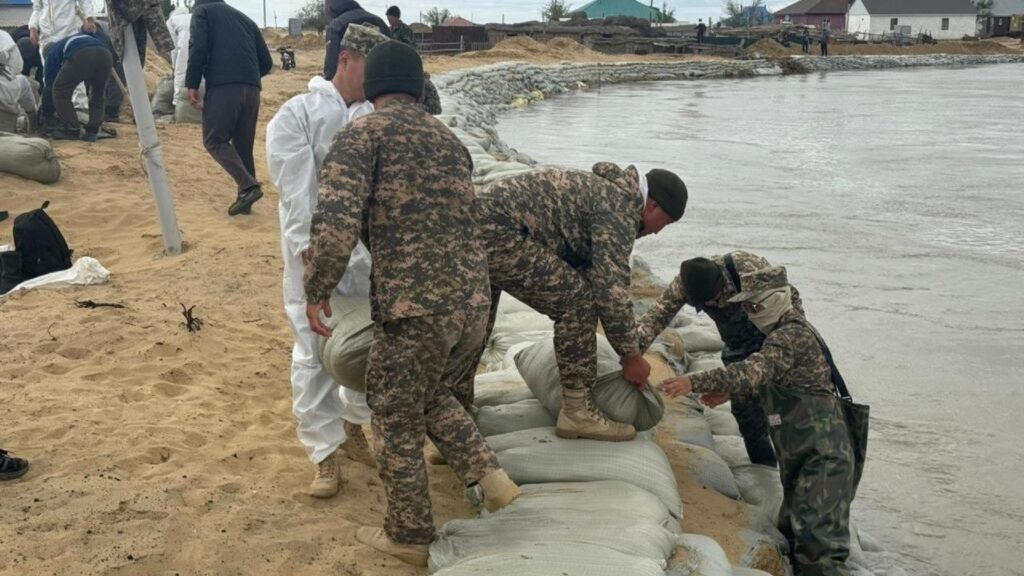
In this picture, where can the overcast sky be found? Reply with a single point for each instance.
(479, 11)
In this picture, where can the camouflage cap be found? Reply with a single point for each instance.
(362, 39)
(758, 281)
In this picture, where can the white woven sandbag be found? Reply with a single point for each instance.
(500, 343)
(612, 394)
(722, 422)
(497, 388)
(705, 558)
(702, 362)
(163, 97)
(639, 462)
(523, 415)
(516, 317)
(709, 469)
(732, 449)
(558, 559)
(522, 438)
(609, 498)
(543, 530)
(691, 425)
(698, 338)
(344, 353)
(31, 158)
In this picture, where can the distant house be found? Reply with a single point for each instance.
(997, 23)
(461, 32)
(942, 19)
(458, 22)
(14, 13)
(599, 9)
(829, 14)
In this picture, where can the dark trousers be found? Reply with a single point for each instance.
(31, 60)
(824, 48)
(91, 65)
(230, 113)
(700, 38)
(806, 47)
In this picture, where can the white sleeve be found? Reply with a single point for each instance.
(292, 168)
(85, 8)
(37, 10)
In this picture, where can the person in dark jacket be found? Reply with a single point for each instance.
(342, 13)
(400, 30)
(30, 57)
(228, 51)
(76, 59)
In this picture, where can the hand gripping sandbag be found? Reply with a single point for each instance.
(556, 560)
(613, 395)
(344, 353)
(31, 158)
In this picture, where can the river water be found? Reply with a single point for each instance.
(896, 200)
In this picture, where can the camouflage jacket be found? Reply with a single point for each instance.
(149, 16)
(723, 312)
(591, 220)
(430, 100)
(790, 357)
(401, 180)
(404, 34)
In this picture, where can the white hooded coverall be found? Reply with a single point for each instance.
(58, 19)
(16, 94)
(178, 25)
(298, 139)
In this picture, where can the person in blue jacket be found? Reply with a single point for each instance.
(76, 59)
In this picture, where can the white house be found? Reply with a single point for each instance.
(942, 19)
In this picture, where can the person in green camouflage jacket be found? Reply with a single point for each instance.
(808, 427)
(403, 182)
(560, 241)
(707, 285)
(400, 30)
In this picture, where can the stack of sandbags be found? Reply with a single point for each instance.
(163, 99)
(613, 395)
(31, 158)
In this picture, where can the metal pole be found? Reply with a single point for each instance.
(150, 144)
(264, 13)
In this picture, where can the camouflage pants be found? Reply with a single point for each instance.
(413, 366)
(816, 466)
(545, 282)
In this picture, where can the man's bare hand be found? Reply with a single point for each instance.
(636, 371)
(313, 315)
(194, 99)
(678, 386)
(89, 26)
(33, 34)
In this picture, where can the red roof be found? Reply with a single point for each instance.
(458, 21)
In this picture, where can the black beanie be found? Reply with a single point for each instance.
(394, 11)
(393, 68)
(702, 280)
(668, 190)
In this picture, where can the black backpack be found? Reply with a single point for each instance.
(40, 244)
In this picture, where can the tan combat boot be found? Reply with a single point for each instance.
(579, 418)
(357, 447)
(325, 484)
(376, 538)
(499, 490)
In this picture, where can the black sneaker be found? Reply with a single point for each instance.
(11, 468)
(245, 200)
(90, 135)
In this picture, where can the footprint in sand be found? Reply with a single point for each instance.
(169, 389)
(74, 353)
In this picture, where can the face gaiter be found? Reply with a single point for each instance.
(773, 304)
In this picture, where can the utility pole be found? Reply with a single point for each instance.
(264, 13)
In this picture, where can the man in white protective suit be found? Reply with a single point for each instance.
(178, 24)
(298, 138)
(55, 20)
(16, 93)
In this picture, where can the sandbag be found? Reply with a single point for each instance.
(501, 342)
(543, 530)
(732, 449)
(613, 395)
(560, 560)
(639, 462)
(497, 388)
(515, 317)
(697, 338)
(613, 498)
(163, 98)
(31, 158)
(184, 113)
(710, 470)
(702, 361)
(691, 425)
(522, 438)
(524, 415)
(344, 353)
(722, 422)
(705, 558)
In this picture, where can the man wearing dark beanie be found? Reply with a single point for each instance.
(402, 181)
(707, 284)
(560, 241)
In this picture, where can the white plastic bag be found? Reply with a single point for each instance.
(85, 271)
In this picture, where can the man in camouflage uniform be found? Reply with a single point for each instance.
(400, 30)
(145, 16)
(707, 285)
(400, 179)
(560, 241)
(816, 459)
